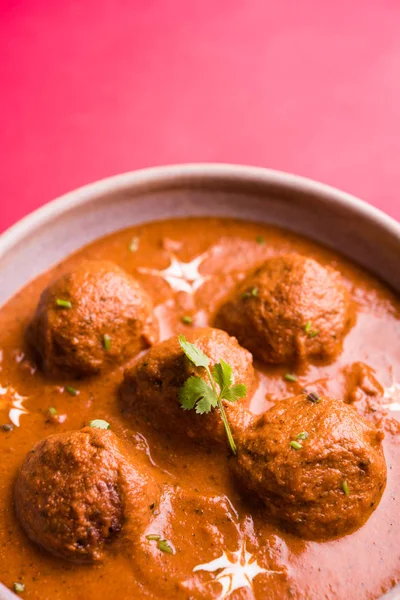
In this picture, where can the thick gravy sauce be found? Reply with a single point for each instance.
(223, 547)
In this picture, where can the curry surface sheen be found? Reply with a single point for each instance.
(223, 547)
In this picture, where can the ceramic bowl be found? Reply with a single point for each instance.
(317, 211)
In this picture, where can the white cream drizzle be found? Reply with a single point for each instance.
(392, 393)
(15, 402)
(181, 276)
(236, 570)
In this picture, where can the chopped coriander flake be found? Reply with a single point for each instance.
(309, 331)
(313, 397)
(153, 536)
(187, 320)
(303, 435)
(19, 587)
(165, 546)
(99, 424)
(63, 303)
(134, 245)
(290, 377)
(295, 445)
(345, 488)
(106, 342)
(53, 411)
(71, 390)
(7, 427)
(253, 292)
(260, 240)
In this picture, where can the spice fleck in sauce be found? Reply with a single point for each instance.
(203, 538)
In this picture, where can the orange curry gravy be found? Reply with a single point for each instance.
(201, 512)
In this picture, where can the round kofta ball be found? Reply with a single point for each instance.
(151, 386)
(314, 464)
(291, 308)
(92, 318)
(78, 491)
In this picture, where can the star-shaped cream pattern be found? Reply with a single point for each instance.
(181, 276)
(9, 398)
(236, 570)
(392, 394)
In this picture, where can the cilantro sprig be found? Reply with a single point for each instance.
(197, 394)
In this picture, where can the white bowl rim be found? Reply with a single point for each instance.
(166, 174)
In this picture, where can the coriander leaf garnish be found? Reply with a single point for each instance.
(196, 356)
(309, 331)
(198, 394)
(295, 445)
(313, 397)
(63, 303)
(53, 411)
(195, 393)
(71, 390)
(187, 320)
(222, 373)
(99, 424)
(163, 545)
(106, 342)
(303, 435)
(250, 293)
(345, 488)
(260, 240)
(290, 377)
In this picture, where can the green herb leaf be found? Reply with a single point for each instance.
(250, 293)
(187, 320)
(222, 373)
(313, 397)
(295, 445)
(99, 424)
(260, 240)
(71, 390)
(106, 342)
(63, 303)
(290, 377)
(134, 245)
(53, 411)
(345, 488)
(303, 435)
(237, 391)
(165, 546)
(309, 331)
(153, 536)
(195, 393)
(19, 588)
(194, 354)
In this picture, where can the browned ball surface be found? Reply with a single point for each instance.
(105, 301)
(76, 491)
(292, 308)
(304, 487)
(151, 386)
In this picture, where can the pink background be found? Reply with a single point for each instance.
(93, 88)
